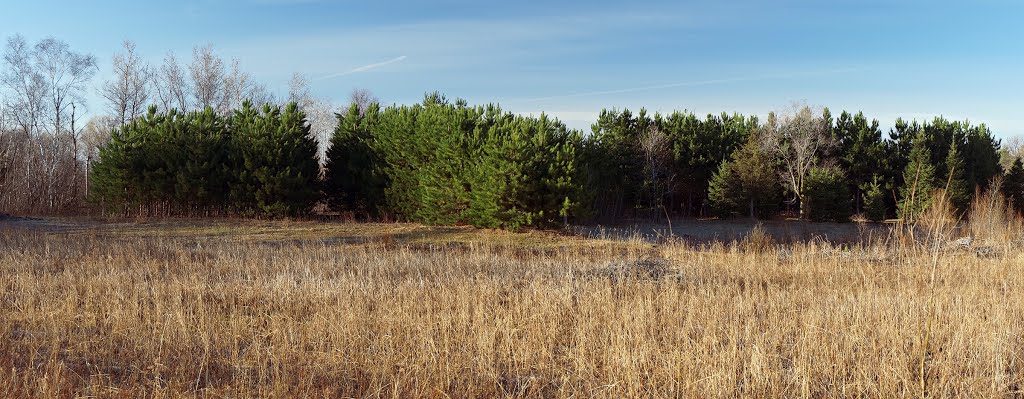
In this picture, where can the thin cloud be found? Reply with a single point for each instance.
(363, 68)
(690, 84)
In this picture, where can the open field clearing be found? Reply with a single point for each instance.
(296, 310)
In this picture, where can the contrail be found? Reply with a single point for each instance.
(690, 84)
(363, 68)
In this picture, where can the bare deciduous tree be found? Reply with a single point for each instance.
(298, 89)
(238, 87)
(798, 139)
(127, 93)
(363, 98)
(208, 77)
(1012, 148)
(66, 74)
(43, 86)
(259, 94)
(654, 144)
(25, 102)
(172, 88)
(319, 111)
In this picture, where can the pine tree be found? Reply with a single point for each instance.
(919, 178)
(277, 170)
(725, 196)
(956, 183)
(859, 151)
(746, 184)
(874, 200)
(827, 195)
(353, 179)
(758, 181)
(1013, 185)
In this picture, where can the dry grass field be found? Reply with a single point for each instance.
(305, 309)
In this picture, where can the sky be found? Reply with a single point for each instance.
(570, 59)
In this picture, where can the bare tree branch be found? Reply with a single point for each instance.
(798, 140)
(127, 93)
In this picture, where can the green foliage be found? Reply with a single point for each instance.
(699, 147)
(874, 200)
(277, 172)
(747, 184)
(919, 178)
(826, 195)
(612, 160)
(199, 164)
(613, 163)
(724, 192)
(443, 162)
(169, 163)
(1013, 185)
(956, 183)
(354, 179)
(860, 152)
(451, 164)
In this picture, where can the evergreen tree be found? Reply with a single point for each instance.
(919, 178)
(446, 163)
(860, 151)
(1013, 185)
(614, 164)
(354, 179)
(278, 172)
(981, 157)
(874, 200)
(699, 147)
(827, 197)
(724, 193)
(746, 184)
(758, 181)
(109, 177)
(956, 183)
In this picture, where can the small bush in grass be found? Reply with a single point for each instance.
(758, 240)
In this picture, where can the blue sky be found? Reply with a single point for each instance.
(572, 58)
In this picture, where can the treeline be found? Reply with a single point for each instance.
(436, 162)
(449, 163)
(258, 161)
(806, 162)
(445, 162)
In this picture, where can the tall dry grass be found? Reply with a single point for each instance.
(107, 315)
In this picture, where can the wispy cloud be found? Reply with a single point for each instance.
(363, 68)
(689, 84)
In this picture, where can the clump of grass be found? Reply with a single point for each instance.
(992, 219)
(758, 240)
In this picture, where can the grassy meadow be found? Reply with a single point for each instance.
(310, 309)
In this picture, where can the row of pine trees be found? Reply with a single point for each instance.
(444, 162)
